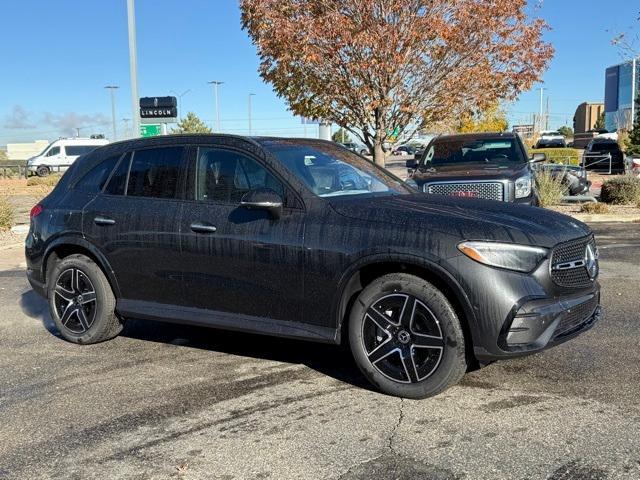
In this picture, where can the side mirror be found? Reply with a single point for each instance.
(263, 199)
(538, 157)
(412, 164)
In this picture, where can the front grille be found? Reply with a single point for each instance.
(576, 317)
(572, 251)
(486, 190)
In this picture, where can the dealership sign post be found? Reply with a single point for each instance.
(158, 110)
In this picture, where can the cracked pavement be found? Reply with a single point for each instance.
(165, 401)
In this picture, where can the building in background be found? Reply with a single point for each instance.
(24, 151)
(622, 85)
(586, 116)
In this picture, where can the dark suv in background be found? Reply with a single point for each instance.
(491, 166)
(305, 239)
(602, 153)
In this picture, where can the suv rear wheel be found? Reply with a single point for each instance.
(406, 338)
(81, 301)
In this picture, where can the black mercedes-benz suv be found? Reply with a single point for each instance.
(305, 239)
(493, 166)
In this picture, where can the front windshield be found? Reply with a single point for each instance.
(45, 149)
(331, 170)
(501, 152)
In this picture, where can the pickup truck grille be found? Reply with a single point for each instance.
(485, 190)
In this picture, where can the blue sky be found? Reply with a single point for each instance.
(57, 56)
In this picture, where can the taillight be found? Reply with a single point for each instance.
(35, 211)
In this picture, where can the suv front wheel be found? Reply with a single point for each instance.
(81, 301)
(406, 337)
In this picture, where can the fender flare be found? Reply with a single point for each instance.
(77, 241)
(350, 283)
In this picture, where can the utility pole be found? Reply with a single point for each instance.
(77, 132)
(546, 118)
(133, 67)
(216, 84)
(126, 127)
(112, 89)
(541, 107)
(250, 95)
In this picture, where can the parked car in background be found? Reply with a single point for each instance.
(632, 165)
(351, 146)
(492, 166)
(304, 239)
(551, 143)
(58, 155)
(404, 150)
(574, 178)
(596, 155)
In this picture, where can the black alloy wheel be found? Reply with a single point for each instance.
(75, 300)
(402, 338)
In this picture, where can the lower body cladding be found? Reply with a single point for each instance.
(517, 314)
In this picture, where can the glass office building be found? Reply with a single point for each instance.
(622, 86)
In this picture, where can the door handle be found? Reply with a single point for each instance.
(104, 221)
(203, 228)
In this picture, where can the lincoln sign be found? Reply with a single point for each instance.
(159, 109)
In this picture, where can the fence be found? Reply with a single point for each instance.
(591, 159)
(8, 170)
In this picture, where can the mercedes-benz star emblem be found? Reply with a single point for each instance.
(403, 336)
(591, 262)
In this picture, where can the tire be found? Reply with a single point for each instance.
(92, 317)
(427, 335)
(43, 171)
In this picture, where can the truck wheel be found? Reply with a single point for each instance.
(43, 171)
(406, 337)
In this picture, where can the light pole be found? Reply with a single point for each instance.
(541, 106)
(112, 89)
(180, 95)
(250, 95)
(133, 67)
(215, 84)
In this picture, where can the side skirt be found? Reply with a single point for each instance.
(224, 320)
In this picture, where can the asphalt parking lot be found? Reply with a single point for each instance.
(163, 401)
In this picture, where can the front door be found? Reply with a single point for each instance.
(238, 260)
(135, 224)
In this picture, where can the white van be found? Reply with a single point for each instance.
(60, 154)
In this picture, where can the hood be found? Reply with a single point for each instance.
(466, 218)
(470, 172)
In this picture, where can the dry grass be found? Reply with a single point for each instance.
(550, 188)
(623, 190)
(595, 208)
(49, 181)
(6, 214)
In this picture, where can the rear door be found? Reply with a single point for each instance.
(134, 222)
(237, 260)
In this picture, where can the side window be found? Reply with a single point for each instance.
(53, 151)
(225, 176)
(118, 182)
(77, 150)
(155, 172)
(94, 179)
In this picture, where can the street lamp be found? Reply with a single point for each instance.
(112, 89)
(180, 95)
(215, 84)
(250, 95)
(133, 67)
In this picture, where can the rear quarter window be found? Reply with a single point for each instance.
(96, 178)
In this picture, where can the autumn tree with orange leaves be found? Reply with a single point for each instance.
(375, 65)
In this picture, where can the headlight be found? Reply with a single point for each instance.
(521, 258)
(523, 186)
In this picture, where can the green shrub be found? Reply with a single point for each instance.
(621, 190)
(6, 214)
(567, 156)
(550, 188)
(49, 180)
(595, 208)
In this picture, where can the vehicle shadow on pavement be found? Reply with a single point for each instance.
(331, 360)
(34, 306)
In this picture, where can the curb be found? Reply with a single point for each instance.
(606, 218)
